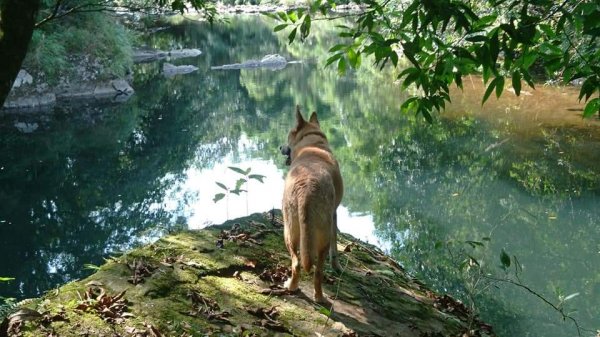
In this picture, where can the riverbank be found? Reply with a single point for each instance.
(227, 280)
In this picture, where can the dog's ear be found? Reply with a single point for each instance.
(313, 118)
(299, 119)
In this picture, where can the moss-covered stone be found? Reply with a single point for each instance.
(215, 282)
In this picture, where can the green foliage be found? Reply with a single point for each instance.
(495, 38)
(87, 42)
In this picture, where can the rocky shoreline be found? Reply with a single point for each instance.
(227, 280)
(31, 94)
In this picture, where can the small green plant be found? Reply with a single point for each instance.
(239, 186)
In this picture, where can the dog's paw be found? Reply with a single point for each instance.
(322, 300)
(290, 286)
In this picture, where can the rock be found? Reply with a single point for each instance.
(184, 283)
(183, 53)
(145, 56)
(112, 91)
(170, 70)
(30, 103)
(148, 56)
(271, 61)
(26, 127)
(115, 91)
(23, 77)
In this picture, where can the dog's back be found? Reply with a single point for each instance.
(309, 201)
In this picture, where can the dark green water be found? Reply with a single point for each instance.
(91, 181)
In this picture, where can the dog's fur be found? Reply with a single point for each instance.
(313, 190)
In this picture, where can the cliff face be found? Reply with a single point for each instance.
(226, 281)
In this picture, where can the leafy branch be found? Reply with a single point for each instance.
(497, 39)
(478, 279)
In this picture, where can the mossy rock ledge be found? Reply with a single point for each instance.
(226, 280)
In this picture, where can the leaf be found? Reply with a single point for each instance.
(489, 90)
(473, 261)
(529, 58)
(282, 16)
(528, 79)
(238, 191)
(258, 177)
(292, 35)
(342, 66)
(239, 183)
(592, 107)
(237, 169)
(293, 16)
(280, 27)
(476, 38)
(325, 311)
(499, 86)
(410, 104)
(353, 58)
(474, 244)
(504, 259)
(485, 20)
(218, 197)
(337, 47)
(394, 57)
(516, 82)
(91, 266)
(570, 296)
(494, 47)
(221, 185)
(426, 114)
(587, 88)
(270, 15)
(305, 27)
(458, 80)
(333, 58)
(6, 279)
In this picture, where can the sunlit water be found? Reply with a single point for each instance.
(201, 210)
(82, 183)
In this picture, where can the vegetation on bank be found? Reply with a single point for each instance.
(227, 280)
(87, 46)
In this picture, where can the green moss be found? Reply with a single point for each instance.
(378, 299)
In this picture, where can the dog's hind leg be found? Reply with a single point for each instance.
(292, 283)
(318, 277)
(335, 264)
(292, 241)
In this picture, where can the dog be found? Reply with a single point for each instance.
(313, 191)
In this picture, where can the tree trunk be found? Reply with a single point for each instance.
(17, 20)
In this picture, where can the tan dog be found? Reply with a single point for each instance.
(313, 190)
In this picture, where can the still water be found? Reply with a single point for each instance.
(518, 175)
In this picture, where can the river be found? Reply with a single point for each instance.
(517, 175)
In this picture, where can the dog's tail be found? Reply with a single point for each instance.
(305, 239)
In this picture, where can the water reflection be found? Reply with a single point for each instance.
(198, 188)
(522, 171)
